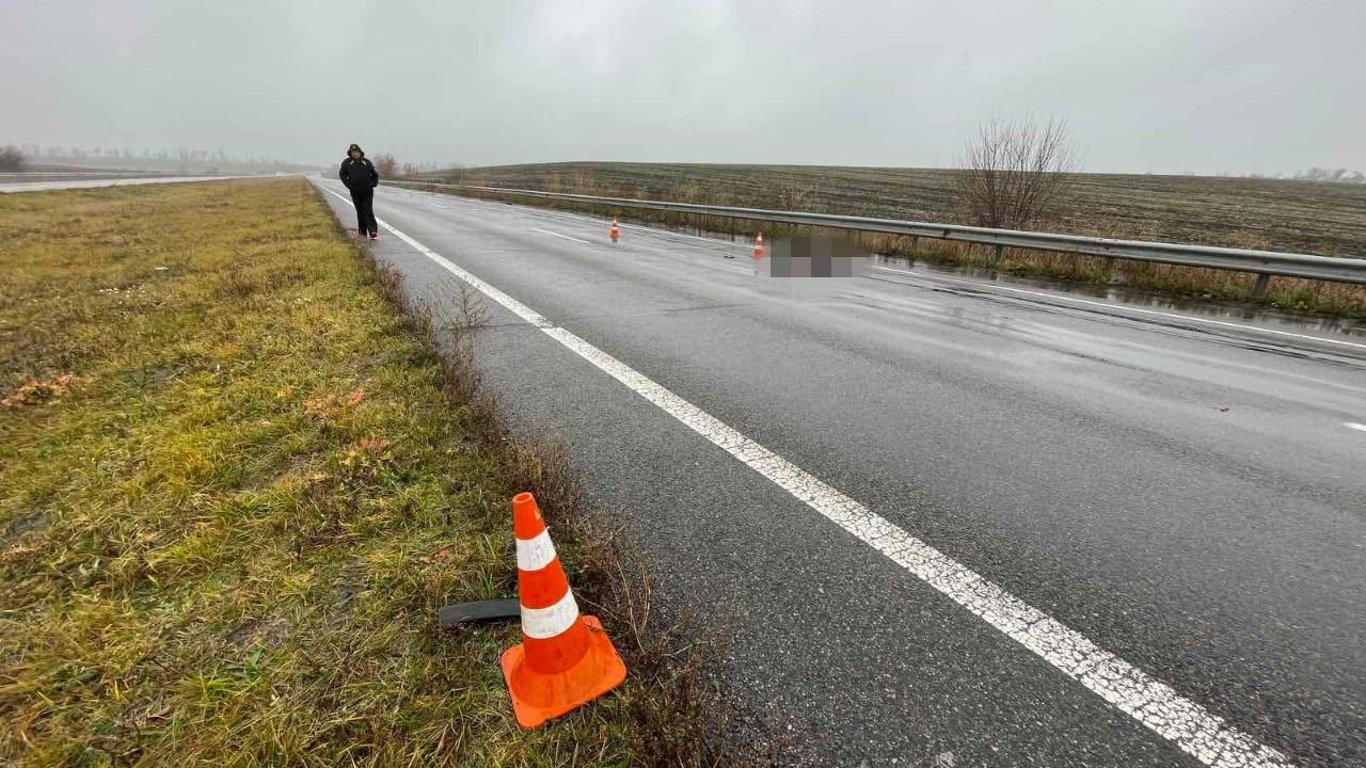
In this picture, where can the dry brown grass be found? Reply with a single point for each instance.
(224, 539)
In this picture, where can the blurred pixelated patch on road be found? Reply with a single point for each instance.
(815, 257)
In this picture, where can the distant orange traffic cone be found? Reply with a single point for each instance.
(564, 660)
(758, 246)
(615, 233)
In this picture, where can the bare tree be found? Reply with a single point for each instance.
(1329, 174)
(1016, 174)
(11, 159)
(386, 165)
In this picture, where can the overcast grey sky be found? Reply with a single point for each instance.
(1161, 85)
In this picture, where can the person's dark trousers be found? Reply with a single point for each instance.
(365, 211)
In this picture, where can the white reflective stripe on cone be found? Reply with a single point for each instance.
(545, 623)
(535, 554)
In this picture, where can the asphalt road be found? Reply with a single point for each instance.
(1186, 493)
(12, 184)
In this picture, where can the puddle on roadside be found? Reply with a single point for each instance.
(1135, 297)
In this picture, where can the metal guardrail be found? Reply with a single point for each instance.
(1262, 263)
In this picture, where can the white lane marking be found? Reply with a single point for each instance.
(1124, 308)
(545, 623)
(557, 234)
(1151, 702)
(1354, 425)
(535, 553)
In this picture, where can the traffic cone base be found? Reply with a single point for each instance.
(565, 659)
(538, 696)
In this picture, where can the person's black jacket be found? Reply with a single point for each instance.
(358, 175)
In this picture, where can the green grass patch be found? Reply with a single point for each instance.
(236, 484)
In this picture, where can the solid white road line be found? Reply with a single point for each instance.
(1151, 702)
(557, 234)
(1354, 425)
(1123, 308)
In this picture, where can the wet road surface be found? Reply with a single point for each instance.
(1186, 496)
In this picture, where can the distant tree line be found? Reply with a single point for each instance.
(178, 160)
(1331, 174)
(389, 167)
(386, 165)
(183, 154)
(11, 158)
(416, 169)
(1340, 175)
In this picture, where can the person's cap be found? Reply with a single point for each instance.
(354, 148)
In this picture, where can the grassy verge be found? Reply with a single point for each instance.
(1261, 213)
(236, 483)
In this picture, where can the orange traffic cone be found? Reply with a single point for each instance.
(564, 660)
(758, 246)
(615, 233)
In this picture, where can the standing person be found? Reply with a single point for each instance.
(359, 176)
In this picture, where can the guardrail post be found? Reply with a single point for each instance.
(1000, 253)
(1259, 290)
